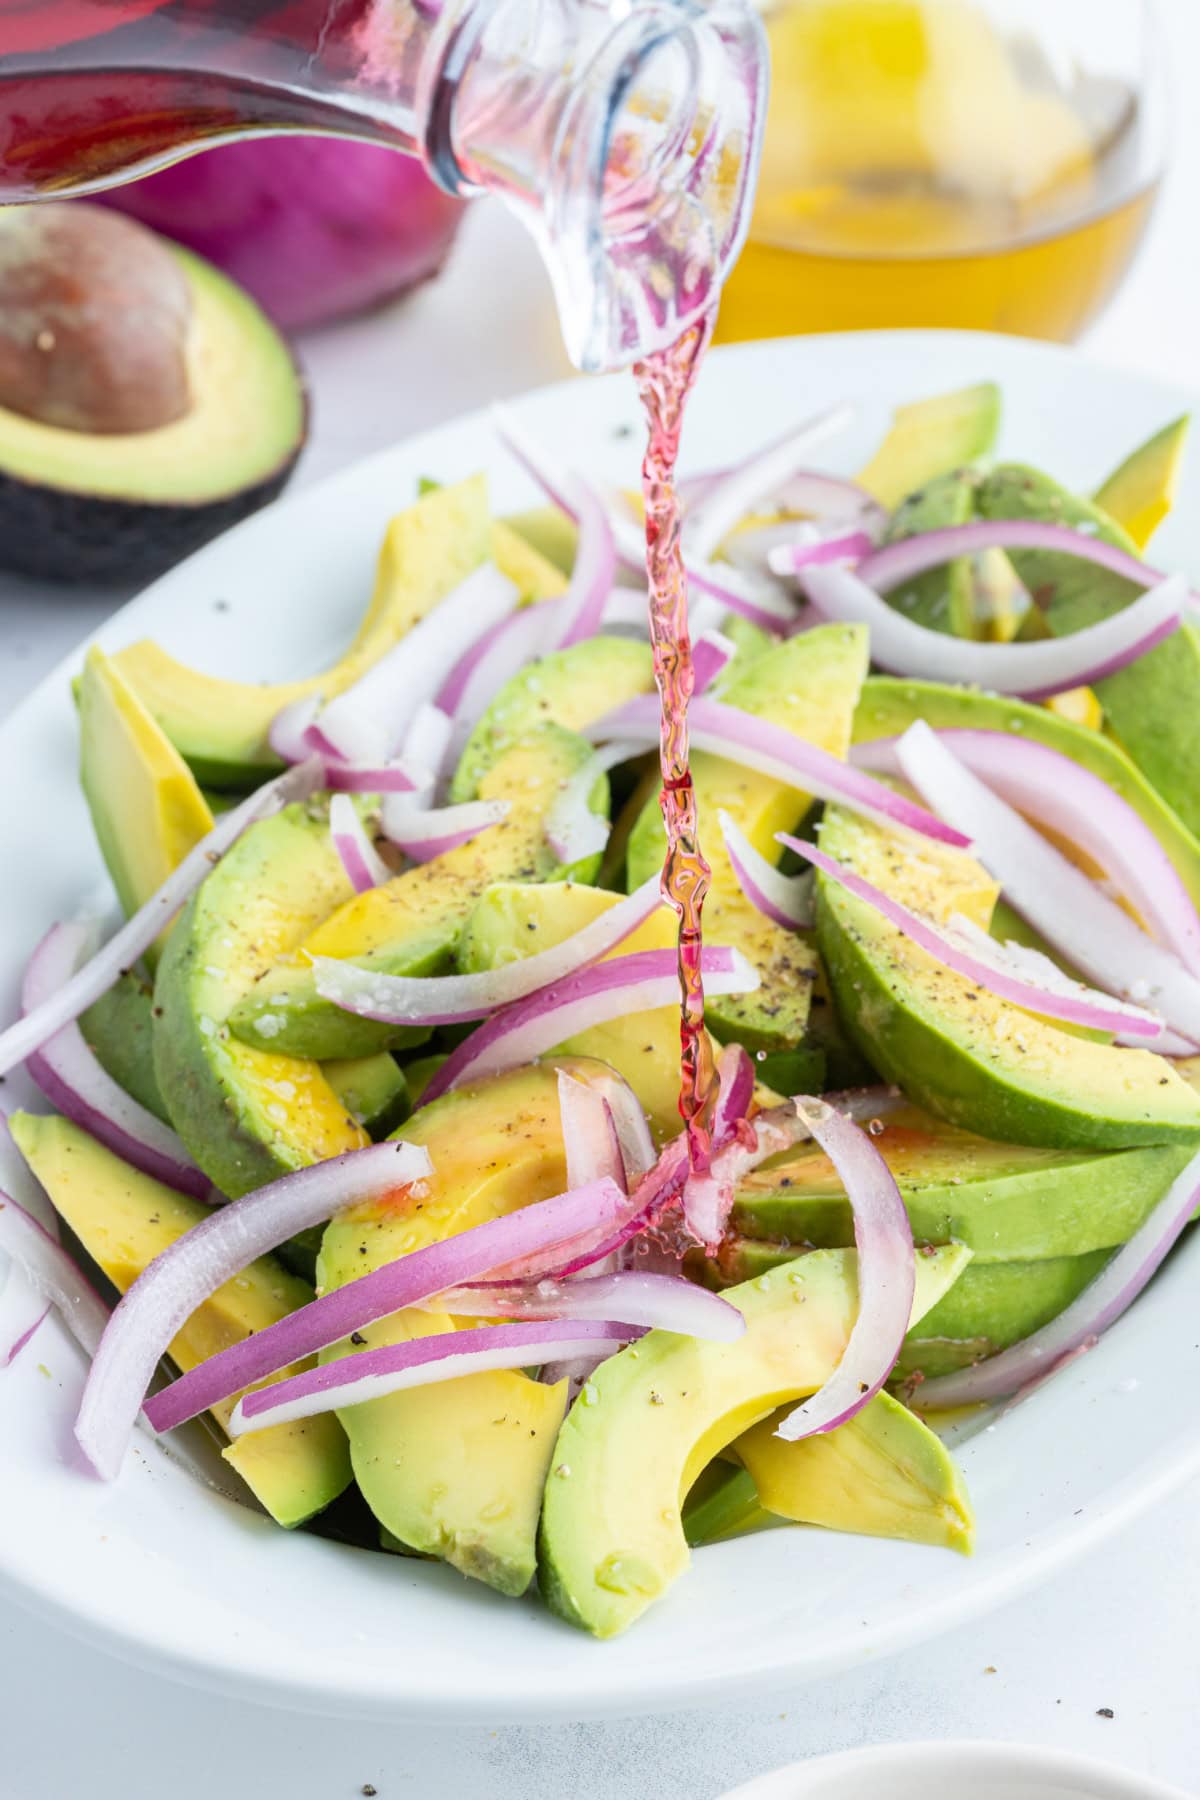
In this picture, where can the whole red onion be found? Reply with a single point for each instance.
(316, 228)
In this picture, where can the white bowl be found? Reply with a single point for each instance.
(964, 1771)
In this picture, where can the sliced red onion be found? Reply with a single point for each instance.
(364, 866)
(787, 899)
(501, 652)
(907, 558)
(754, 743)
(138, 933)
(454, 999)
(190, 1271)
(426, 834)
(711, 653)
(288, 733)
(735, 1092)
(399, 777)
(1081, 1325)
(365, 723)
(628, 1296)
(1072, 912)
(762, 600)
(371, 1374)
(739, 490)
(573, 830)
(32, 1315)
(557, 483)
(425, 744)
(1071, 801)
(1032, 670)
(708, 1197)
(592, 578)
(53, 1275)
(1025, 978)
(806, 551)
(454, 1262)
(887, 1276)
(636, 1145)
(527, 1029)
(69, 1075)
(589, 1134)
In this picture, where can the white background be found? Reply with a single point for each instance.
(1120, 1631)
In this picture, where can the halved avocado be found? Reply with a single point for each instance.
(146, 403)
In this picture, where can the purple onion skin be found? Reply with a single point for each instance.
(315, 228)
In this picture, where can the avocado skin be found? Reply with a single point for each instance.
(56, 535)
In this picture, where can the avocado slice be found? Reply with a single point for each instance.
(889, 706)
(248, 1115)
(1140, 493)
(516, 919)
(930, 437)
(523, 750)
(810, 686)
(146, 402)
(456, 1470)
(942, 599)
(723, 1503)
(124, 1220)
(1008, 1202)
(146, 807)
(882, 1474)
(1151, 704)
(611, 1538)
(957, 1050)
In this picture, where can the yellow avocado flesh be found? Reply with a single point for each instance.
(221, 726)
(146, 807)
(612, 1538)
(1140, 494)
(246, 417)
(957, 1049)
(810, 687)
(882, 1474)
(514, 920)
(456, 1470)
(248, 1115)
(124, 1220)
(929, 437)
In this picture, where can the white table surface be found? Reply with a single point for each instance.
(1119, 1631)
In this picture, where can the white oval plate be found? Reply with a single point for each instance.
(949, 1771)
(161, 1569)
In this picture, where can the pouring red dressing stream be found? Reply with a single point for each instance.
(664, 382)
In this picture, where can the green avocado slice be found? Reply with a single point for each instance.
(1009, 1202)
(124, 1220)
(1151, 704)
(612, 1538)
(957, 1050)
(1139, 494)
(889, 706)
(942, 599)
(248, 1115)
(456, 1470)
(929, 437)
(810, 686)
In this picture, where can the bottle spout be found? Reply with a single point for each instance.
(626, 136)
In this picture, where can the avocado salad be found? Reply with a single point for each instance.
(364, 1136)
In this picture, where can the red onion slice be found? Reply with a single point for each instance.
(739, 490)
(398, 777)
(754, 743)
(53, 1275)
(628, 1297)
(636, 1145)
(1023, 977)
(1084, 1322)
(190, 1271)
(371, 1374)
(589, 1134)
(426, 834)
(887, 1276)
(573, 830)
(592, 578)
(364, 866)
(288, 733)
(786, 899)
(1071, 801)
(1074, 915)
(137, 934)
(805, 551)
(711, 653)
(69, 1075)
(765, 602)
(365, 723)
(453, 999)
(425, 745)
(708, 1197)
(909, 557)
(527, 1029)
(1032, 670)
(735, 1092)
(454, 1262)
(494, 658)
(32, 1315)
